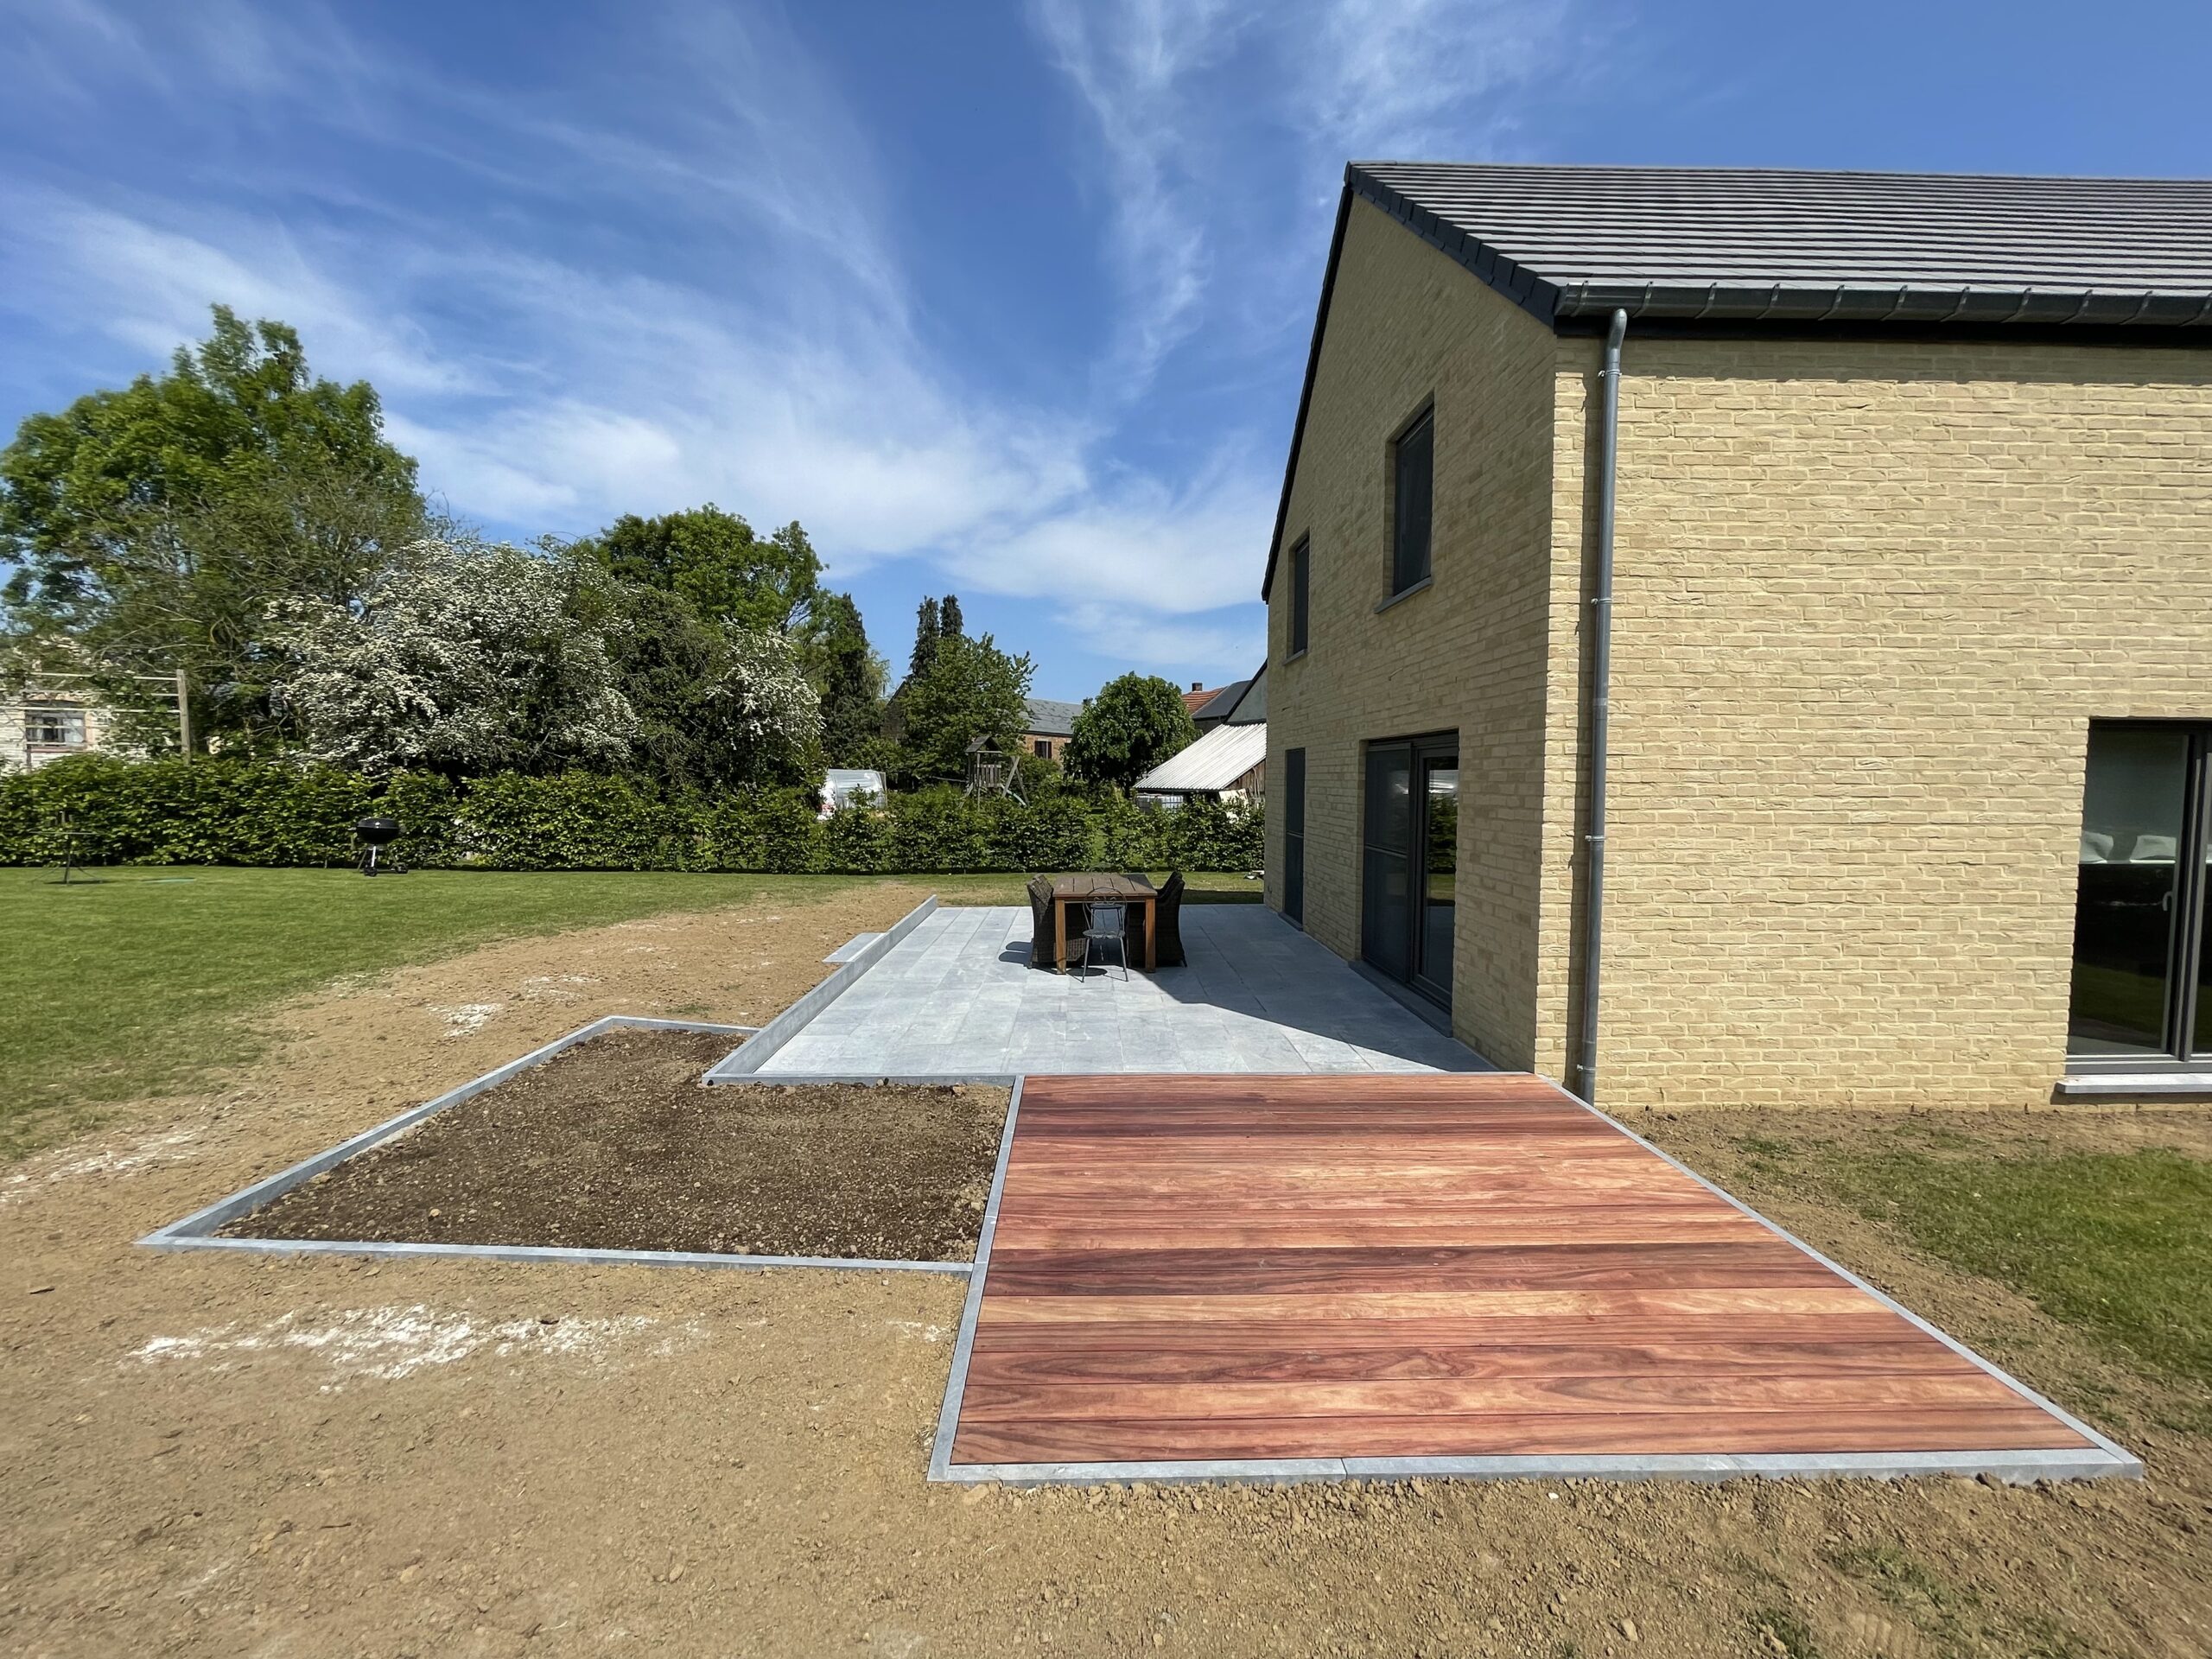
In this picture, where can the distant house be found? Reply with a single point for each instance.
(50, 719)
(1048, 728)
(1230, 760)
(1211, 709)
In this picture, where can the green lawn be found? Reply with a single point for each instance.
(2117, 1243)
(136, 980)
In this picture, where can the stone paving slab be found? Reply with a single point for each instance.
(958, 998)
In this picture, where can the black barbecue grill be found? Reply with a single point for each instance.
(376, 835)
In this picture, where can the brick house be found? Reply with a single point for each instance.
(1047, 727)
(1869, 619)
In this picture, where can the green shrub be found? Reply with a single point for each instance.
(220, 812)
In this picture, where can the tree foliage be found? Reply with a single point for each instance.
(1130, 727)
(714, 705)
(712, 558)
(950, 623)
(461, 659)
(153, 526)
(971, 689)
(850, 677)
(928, 630)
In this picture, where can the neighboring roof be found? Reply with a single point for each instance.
(1745, 245)
(1217, 703)
(1727, 248)
(1217, 760)
(1251, 708)
(1197, 696)
(1049, 719)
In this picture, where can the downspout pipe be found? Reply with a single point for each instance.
(1606, 463)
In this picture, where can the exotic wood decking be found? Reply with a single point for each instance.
(1298, 1276)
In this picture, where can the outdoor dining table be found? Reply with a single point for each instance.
(1134, 890)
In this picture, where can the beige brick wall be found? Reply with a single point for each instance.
(1469, 654)
(1869, 597)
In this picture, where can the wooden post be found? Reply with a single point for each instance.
(183, 714)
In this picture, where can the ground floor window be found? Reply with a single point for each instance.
(2142, 993)
(1409, 869)
(1294, 834)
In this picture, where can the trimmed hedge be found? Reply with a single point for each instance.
(240, 812)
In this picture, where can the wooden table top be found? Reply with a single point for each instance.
(1227, 1267)
(1103, 885)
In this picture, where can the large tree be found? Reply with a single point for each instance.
(849, 676)
(1130, 727)
(712, 558)
(971, 689)
(949, 622)
(929, 628)
(461, 659)
(154, 526)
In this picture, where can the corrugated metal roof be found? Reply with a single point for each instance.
(1744, 245)
(1217, 760)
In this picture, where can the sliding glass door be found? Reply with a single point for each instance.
(1409, 865)
(2142, 993)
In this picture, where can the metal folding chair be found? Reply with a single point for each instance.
(1107, 925)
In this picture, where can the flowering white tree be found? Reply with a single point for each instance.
(760, 705)
(462, 657)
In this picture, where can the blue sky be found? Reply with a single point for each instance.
(1008, 300)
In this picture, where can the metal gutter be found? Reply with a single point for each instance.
(1604, 463)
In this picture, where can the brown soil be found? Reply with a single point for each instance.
(204, 1455)
(615, 1144)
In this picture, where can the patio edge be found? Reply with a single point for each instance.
(742, 1062)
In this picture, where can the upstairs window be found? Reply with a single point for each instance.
(53, 726)
(1301, 563)
(1412, 459)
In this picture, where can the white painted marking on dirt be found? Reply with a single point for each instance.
(393, 1342)
(464, 1019)
(167, 1148)
(910, 1329)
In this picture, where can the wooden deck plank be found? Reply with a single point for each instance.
(1417, 1265)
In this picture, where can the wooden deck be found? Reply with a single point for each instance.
(1236, 1273)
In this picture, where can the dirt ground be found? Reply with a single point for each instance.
(615, 1144)
(206, 1456)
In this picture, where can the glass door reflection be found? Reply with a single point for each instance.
(1440, 871)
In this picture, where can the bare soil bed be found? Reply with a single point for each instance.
(615, 1144)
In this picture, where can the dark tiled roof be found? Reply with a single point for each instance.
(1216, 703)
(1051, 719)
(1740, 244)
(1737, 249)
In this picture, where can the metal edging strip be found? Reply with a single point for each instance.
(197, 1231)
(955, 1381)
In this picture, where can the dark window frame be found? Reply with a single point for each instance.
(1300, 630)
(1294, 834)
(2189, 963)
(1412, 564)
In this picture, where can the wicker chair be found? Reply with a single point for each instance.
(1041, 926)
(1167, 923)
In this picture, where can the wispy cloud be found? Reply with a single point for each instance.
(661, 266)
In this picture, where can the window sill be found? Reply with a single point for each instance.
(2092, 1085)
(1420, 587)
(1298, 656)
